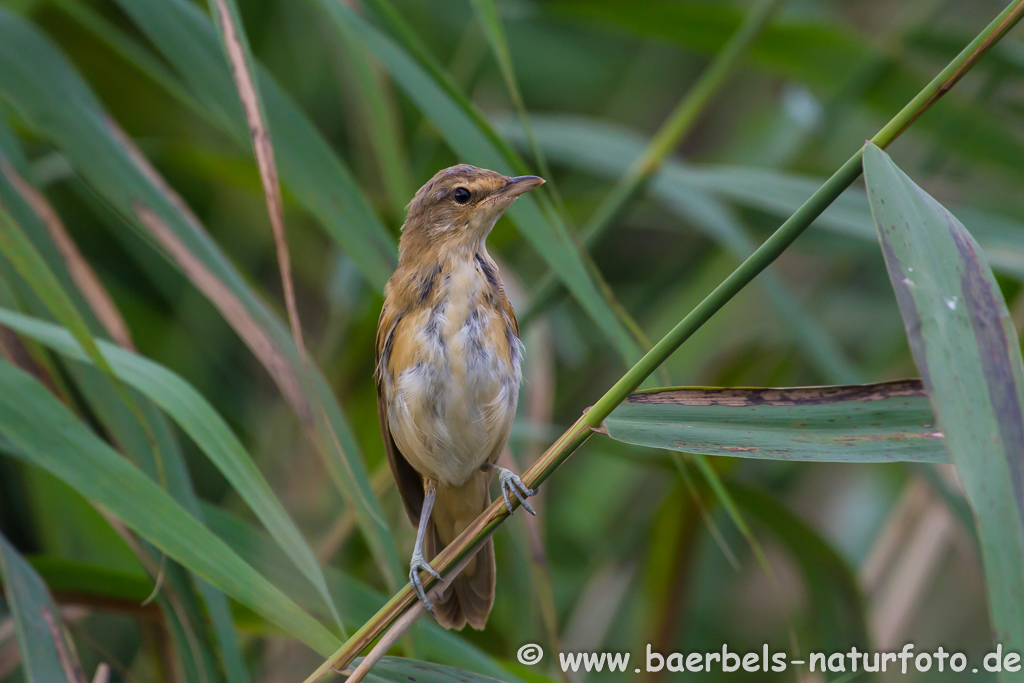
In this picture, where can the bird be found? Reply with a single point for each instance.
(448, 370)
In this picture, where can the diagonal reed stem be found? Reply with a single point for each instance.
(471, 539)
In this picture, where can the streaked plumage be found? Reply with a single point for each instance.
(448, 368)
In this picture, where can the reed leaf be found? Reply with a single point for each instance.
(46, 655)
(243, 66)
(316, 176)
(608, 151)
(197, 418)
(358, 600)
(967, 350)
(44, 433)
(695, 192)
(145, 446)
(830, 58)
(887, 422)
(109, 161)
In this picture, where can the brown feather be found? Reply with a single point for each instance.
(407, 479)
(470, 597)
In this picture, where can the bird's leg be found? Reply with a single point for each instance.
(418, 563)
(510, 482)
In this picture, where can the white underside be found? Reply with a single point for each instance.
(452, 412)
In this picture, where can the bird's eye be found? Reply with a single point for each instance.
(461, 195)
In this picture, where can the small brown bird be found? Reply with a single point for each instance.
(448, 375)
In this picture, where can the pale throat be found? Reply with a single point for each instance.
(463, 247)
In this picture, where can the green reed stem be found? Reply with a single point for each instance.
(678, 125)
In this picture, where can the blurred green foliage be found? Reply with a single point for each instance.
(875, 552)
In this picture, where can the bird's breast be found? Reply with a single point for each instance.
(454, 386)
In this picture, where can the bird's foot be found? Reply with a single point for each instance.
(512, 484)
(415, 566)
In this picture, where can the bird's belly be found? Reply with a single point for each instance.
(453, 409)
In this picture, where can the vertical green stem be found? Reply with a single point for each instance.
(680, 122)
(678, 125)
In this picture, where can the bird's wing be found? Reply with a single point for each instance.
(408, 480)
(506, 307)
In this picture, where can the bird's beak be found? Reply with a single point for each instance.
(518, 185)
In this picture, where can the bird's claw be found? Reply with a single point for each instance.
(511, 482)
(415, 566)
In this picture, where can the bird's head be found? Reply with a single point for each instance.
(459, 206)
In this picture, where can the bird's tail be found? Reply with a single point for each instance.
(470, 597)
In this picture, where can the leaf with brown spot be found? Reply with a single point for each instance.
(885, 422)
(16, 353)
(967, 350)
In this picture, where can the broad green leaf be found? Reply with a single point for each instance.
(145, 437)
(45, 654)
(197, 418)
(51, 97)
(544, 230)
(966, 347)
(43, 432)
(885, 422)
(126, 419)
